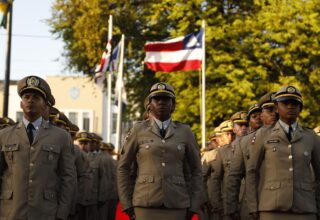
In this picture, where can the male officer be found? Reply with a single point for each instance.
(239, 162)
(220, 167)
(289, 187)
(254, 119)
(110, 167)
(240, 123)
(168, 172)
(36, 170)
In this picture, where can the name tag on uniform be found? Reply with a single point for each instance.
(273, 141)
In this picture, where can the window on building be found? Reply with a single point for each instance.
(19, 116)
(86, 121)
(73, 117)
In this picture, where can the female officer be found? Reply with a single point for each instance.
(289, 152)
(159, 171)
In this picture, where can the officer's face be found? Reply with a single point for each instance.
(33, 105)
(161, 107)
(255, 120)
(289, 110)
(268, 115)
(227, 137)
(46, 113)
(240, 129)
(84, 146)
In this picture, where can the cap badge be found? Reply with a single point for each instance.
(291, 89)
(33, 81)
(83, 135)
(161, 87)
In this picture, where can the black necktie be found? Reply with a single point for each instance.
(162, 131)
(290, 133)
(30, 129)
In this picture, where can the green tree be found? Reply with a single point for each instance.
(252, 46)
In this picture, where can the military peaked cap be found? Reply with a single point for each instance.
(161, 89)
(288, 93)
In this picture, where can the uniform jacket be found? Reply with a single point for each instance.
(97, 180)
(167, 170)
(81, 165)
(221, 166)
(235, 184)
(110, 173)
(37, 180)
(207, 171)
(287, 182)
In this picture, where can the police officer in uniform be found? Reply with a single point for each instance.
(220, 167)
(36, 170)
(238, 166)
(109, 212)
(168, 172)
(288, 189)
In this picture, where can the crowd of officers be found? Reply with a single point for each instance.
(256, 167)
(54, 171)
(259, 164)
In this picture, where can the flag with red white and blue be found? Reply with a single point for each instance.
(182, 53)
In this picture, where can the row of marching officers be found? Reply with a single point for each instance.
(43, 174)
(262, 164)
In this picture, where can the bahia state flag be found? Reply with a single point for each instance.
(182, 53)
(4, 6)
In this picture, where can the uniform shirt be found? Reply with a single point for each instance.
(285, 127)
(163, 124)
(36, 124)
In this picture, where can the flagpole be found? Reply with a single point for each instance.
(203, 103)
(120, 86)
(109, 89)
(8, 62)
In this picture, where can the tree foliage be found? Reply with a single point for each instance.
(252, 46)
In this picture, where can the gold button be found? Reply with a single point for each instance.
(30, 180)
(289, 146)
(163, 164)
(32, 148)
(163, 141)
(290, 169)
(290, 157)
(31, 164)
(147, 147)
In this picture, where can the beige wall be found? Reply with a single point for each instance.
(78, 93)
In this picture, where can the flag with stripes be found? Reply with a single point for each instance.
(4, 7)
(181, 53)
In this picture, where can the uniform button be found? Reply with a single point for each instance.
(147, 147)
(271, 187)
(163, 141)
(32, 148)
(290, 169)
(163, 164)
(163, 151)
(30, 180)
(289, 146)
(31, 164)
(290, 157)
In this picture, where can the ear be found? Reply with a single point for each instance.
(173, 105)
(276, 107)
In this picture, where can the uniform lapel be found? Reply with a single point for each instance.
(22, 133)
(41, 133)
(153, 127)
(170, 129)
(279, 132)
(297, 134)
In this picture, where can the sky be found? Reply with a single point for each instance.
(34, 50)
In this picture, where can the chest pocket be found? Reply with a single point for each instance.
(51, 153)
(10, 152)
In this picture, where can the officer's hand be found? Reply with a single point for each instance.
(255, 215)
(130, 213)
(190, 214)
(235, 216)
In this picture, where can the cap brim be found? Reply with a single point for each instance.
(240, 121)
(83, 139)
(287, 98)
(159, 94)
(35, 89)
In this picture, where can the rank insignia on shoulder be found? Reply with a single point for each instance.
(272, 141)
